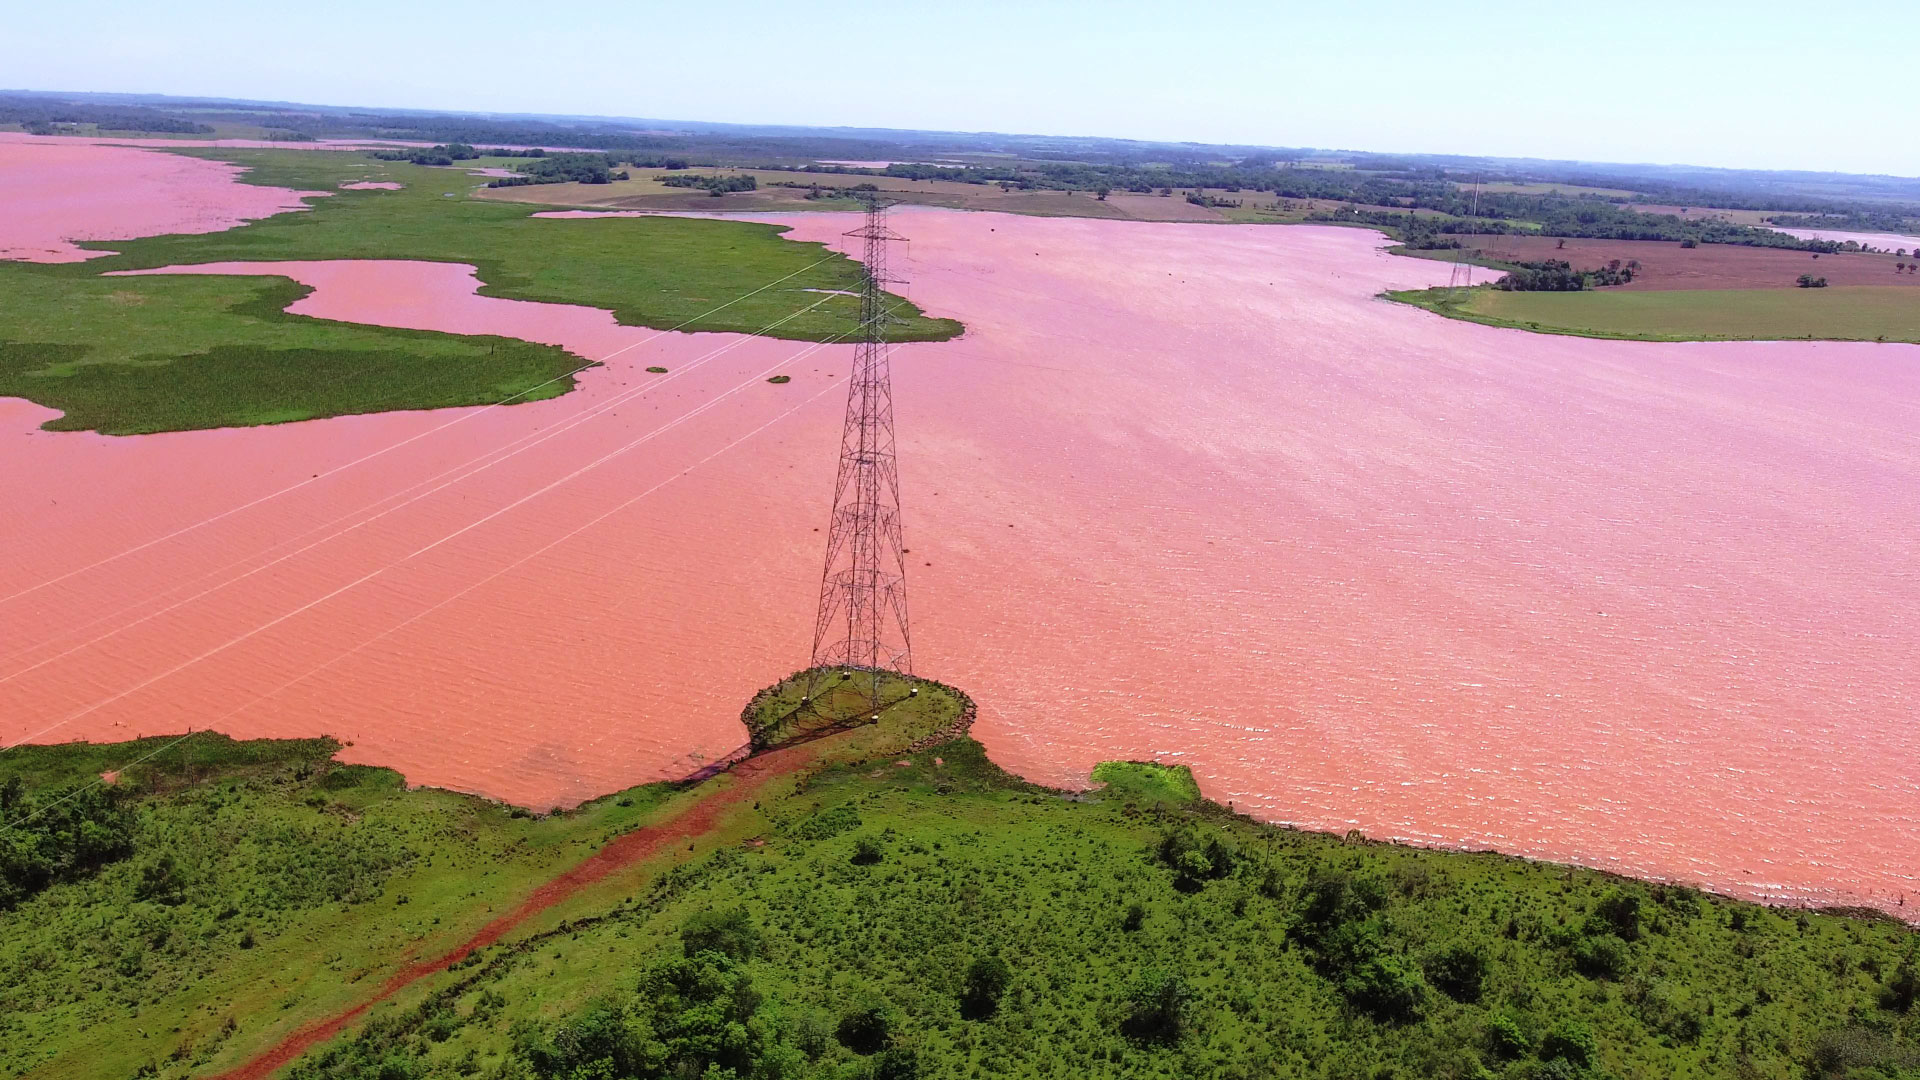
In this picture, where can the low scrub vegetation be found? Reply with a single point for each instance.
(907, 914)
(1004, 930)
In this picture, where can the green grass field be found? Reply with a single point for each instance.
(1852, 313)
(132, 355)
(126, 356)
(887, 913)
(267, 886)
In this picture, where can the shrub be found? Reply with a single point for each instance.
(160, 882)
(1506, 1040)
(865, 1029)
(1155, 1005)
(1600, 957)
(1136, 915)
(895, 1063)
(729, 932)
(1387, 988)
(1620, 911)
(1195, 858)
(1570, 1041)
(867, 851)
(1332, 898)
(1903, 989)
(1458, 972)
(986, 980)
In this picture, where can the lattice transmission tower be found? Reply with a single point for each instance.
(862, 622)
(1462, 273)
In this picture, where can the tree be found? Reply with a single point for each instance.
(1904, 989)
(987, 979)
(1620, 911)
(1505, 1038)
(1573, 1042)
(728, 932)
(1600, 957)
(865, 1029)
(1458, 972)
(1194, 858)
(1900, 267)
(1386, 987)
(1155, 1007)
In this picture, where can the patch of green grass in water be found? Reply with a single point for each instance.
(1147, 782)
(1846, 313)
(139, 355)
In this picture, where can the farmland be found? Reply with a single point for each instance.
(1856, 313)
(1664, 264)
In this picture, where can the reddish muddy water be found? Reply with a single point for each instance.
(56, 191)
(1182, 493)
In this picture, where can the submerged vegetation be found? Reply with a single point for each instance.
(900, 908)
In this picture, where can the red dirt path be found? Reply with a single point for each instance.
(749, 776)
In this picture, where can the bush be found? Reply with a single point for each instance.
(1903, 989)
(1506, 1040)
(867, 851)
(1194, 858)
(1620, 911)
(1570, 1041)
(895, 1063)
(1600, 957)
(987, 979)
(160, 882)
(1155, 1005)
(1135, 916)
(1458, 972)
(729, 932)
(1386, 988)
(1332, 899)
(865, 1029)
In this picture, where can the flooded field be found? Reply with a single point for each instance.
(1182, 493)
(56, 191)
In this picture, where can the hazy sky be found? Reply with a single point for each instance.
(1752, 84)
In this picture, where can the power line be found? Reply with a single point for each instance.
(509, 568)
(557, 430)
(463, 418)
(371, 575)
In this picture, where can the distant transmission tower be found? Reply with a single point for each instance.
(862, 622)
(1462, 274)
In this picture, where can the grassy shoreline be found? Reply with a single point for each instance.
(1144, 931)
